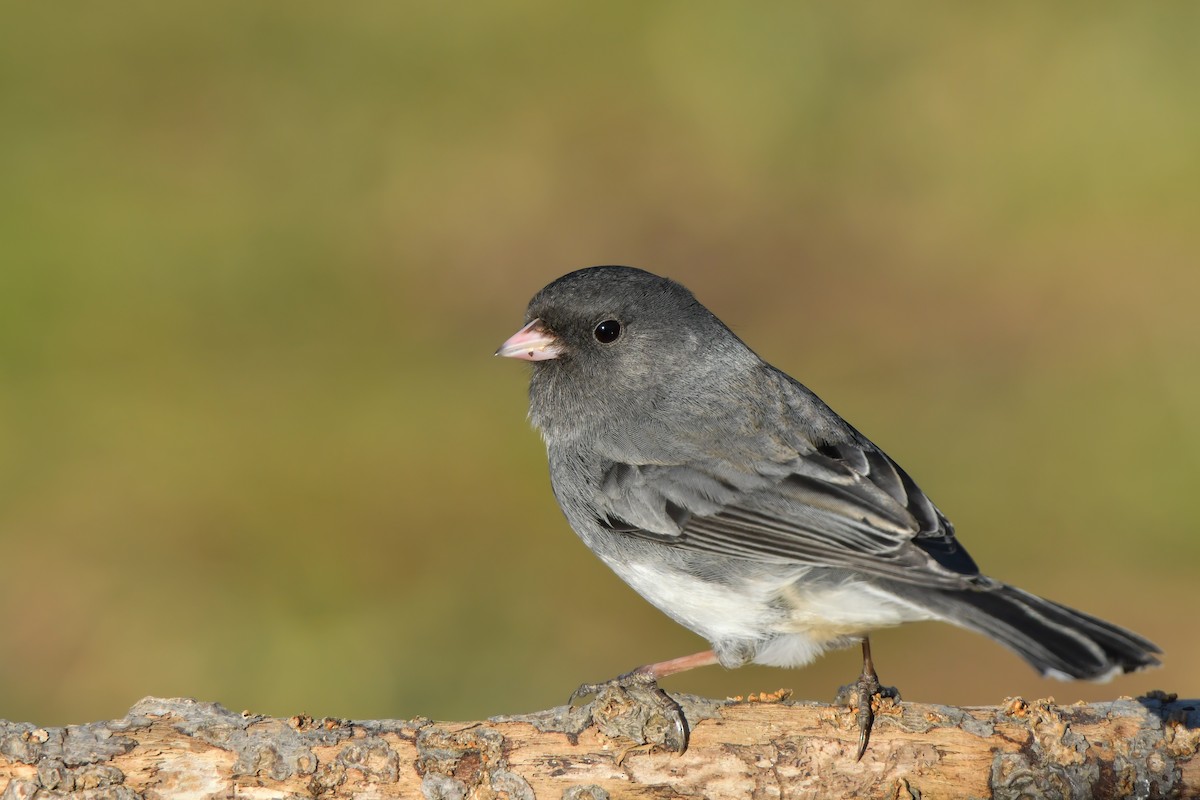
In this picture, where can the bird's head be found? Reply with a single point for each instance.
(611, 345)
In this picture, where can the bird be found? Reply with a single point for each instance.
(733, 499)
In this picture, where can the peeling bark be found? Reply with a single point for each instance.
(621, 745)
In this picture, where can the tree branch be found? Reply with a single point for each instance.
(621, 746)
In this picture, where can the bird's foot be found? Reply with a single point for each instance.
(637, 677)
(634, 706)
(861, 695)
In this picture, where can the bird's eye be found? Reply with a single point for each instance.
(607, 332)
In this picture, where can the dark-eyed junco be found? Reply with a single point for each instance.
(737, 502)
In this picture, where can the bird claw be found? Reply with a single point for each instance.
(641, 688)
(861, 693)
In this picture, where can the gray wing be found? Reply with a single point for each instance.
(841, 505)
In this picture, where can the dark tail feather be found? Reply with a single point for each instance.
(1059, 642)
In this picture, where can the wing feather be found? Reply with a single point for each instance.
(847, 506)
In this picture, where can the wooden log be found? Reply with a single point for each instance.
(622, 745)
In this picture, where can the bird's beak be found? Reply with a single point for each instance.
(532, 343)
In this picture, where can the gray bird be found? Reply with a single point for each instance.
(743, 507)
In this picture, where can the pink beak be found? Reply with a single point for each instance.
(531, 343)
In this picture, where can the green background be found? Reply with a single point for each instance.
(256, 257)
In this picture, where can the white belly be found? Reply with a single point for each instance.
(790, 626)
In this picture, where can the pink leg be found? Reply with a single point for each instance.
(682, 664)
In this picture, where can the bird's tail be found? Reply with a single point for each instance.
(1059, 642)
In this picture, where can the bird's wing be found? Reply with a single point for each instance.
(846, 505)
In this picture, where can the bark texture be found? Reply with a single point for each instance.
(621, 745)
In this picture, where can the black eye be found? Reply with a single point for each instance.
(608, 331)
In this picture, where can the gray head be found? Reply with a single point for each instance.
(612, 346)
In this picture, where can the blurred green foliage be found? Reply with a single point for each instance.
(256, 257)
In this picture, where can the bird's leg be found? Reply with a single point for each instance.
(646, 678)
(861, 692)
(649, 674)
